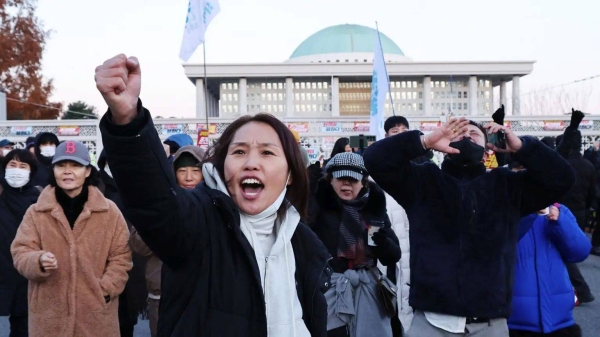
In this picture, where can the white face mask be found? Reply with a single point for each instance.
(107, 170)
(17, 177)
(48, 150)
(5, 152)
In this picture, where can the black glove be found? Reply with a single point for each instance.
(498, 116)
(387, 251)
(576, 118)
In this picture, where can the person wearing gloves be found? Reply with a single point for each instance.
(542, 294)
(347, 208)
(16, 195)
(464, 221)
(237, 260)
(44, 148)
(73, 248)
(581, 197)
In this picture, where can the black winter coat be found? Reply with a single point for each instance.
(581, 197)
(326, 218)
(133, 299)
(464, 221)
(13, 205)
(211, 282)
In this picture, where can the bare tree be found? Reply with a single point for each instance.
(557, 100)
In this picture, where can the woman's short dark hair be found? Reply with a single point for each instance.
(297, 193)
(23, 156)
(92, 180)
(339, 146)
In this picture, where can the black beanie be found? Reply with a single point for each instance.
(185, 160)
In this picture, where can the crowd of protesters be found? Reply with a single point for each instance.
(252, 239)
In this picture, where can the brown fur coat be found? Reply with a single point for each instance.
(93, 260)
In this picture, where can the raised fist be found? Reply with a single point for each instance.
(498, 116)
(576, 118)
(119, 81)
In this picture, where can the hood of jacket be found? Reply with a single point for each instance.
(44, 137)
(181, 139)
(327, 199)
(196, 151)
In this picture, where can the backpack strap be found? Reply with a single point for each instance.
(1, 189)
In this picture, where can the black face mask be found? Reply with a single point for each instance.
(470, 153)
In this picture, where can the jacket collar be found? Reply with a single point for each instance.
(95, 203)
(463, 172)
(327, 199)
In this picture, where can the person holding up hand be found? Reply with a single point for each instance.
(73, 248)
(237, 259)
(464, 221)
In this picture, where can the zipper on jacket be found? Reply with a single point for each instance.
(537, 277)
(265, 289)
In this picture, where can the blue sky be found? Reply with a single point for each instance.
(563, 37)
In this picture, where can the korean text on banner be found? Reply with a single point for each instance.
(379, 90)
(199, 15)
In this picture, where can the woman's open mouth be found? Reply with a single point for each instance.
(251, 188)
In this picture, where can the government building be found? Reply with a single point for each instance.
(329, 75)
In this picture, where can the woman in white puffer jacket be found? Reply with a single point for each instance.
(400, 226)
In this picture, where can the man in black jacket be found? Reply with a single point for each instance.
(464, 221)
(581, 197)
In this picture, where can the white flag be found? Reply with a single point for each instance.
(379, 90)
(200, 14)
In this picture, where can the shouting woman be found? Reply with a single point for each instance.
(237, 260)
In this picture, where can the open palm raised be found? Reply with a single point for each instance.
(441, 138)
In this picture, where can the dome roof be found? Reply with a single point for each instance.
(345, 39)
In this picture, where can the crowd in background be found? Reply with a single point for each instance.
(252, 239)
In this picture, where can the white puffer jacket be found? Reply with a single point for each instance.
(400, 226)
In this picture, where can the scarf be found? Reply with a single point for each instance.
(353, 230)
(283, 308)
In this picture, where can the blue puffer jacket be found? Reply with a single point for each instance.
(543, 297)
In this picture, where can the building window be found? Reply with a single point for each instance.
(420, 106)
(464, 95)
(465, 106)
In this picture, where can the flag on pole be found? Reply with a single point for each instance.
(379, 90)
(199, 15)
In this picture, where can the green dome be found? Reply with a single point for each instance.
(345, 39)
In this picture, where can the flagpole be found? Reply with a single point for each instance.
(451, 94)
(205, 85)
(386, 72)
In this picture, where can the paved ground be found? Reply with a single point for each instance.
(587, 315)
